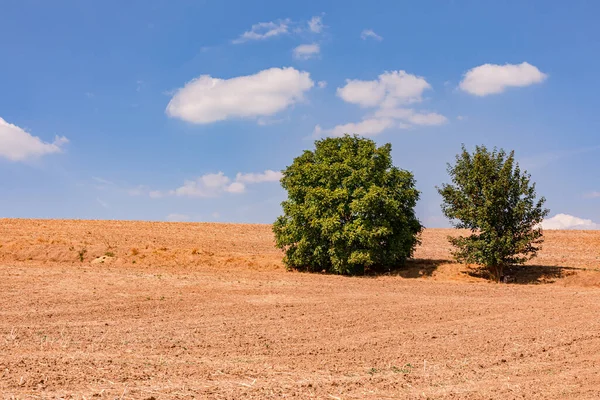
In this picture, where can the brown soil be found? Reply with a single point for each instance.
(183, 310)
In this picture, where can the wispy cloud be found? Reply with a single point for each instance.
(370, 34)
(307, 51)
(315, 24)
(271, 29)
(264, 30)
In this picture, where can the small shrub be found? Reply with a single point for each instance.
(134, 251)
(195, 251)
(81, 254)
(109, 254)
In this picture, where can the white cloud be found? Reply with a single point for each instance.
(427, 119)
(322, 84)
(364, 93)
(264, 30)
(565, 221)
(206, 99)
(461, 117)
(236, 187)
(315, 24)
(383, 119)
(367, 127)
(209, 185)
(18, 145)
(492, 78)
(409, 115)
(369, 33)
(177, 217)
(267, 176)
(307, 51)
(390, 89)
(271, 29)
(214, 185)
(386, 94)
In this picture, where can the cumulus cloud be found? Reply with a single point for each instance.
(363, 93)
(315, 24)
(386, 95)
(209, 185)
(214, 185)
(565, 221)
(206, 99)
(322, 84)
(307, 51)
(390, 89)
(492, 78)
(264, 30)
(18, 145)
(369, 33)
(177, 217)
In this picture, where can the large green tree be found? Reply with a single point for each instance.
(348, 209)
(490, 196)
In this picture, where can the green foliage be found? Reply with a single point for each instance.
(348, 209)
(495, 200)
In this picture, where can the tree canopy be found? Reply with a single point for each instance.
(490, 196)
(348, 209)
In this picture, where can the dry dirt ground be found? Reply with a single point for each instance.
(148, 310)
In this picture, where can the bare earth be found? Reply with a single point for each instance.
(184, 310)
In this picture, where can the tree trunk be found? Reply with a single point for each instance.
(497, 271)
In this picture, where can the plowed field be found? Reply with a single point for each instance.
(151, 310)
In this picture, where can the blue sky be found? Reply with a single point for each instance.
(187, 110)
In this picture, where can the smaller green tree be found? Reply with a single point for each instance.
(348, 209)
(495, 200)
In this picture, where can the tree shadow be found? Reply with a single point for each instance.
(412, 269)
(527, 274)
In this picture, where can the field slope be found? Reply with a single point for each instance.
(150, 310)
